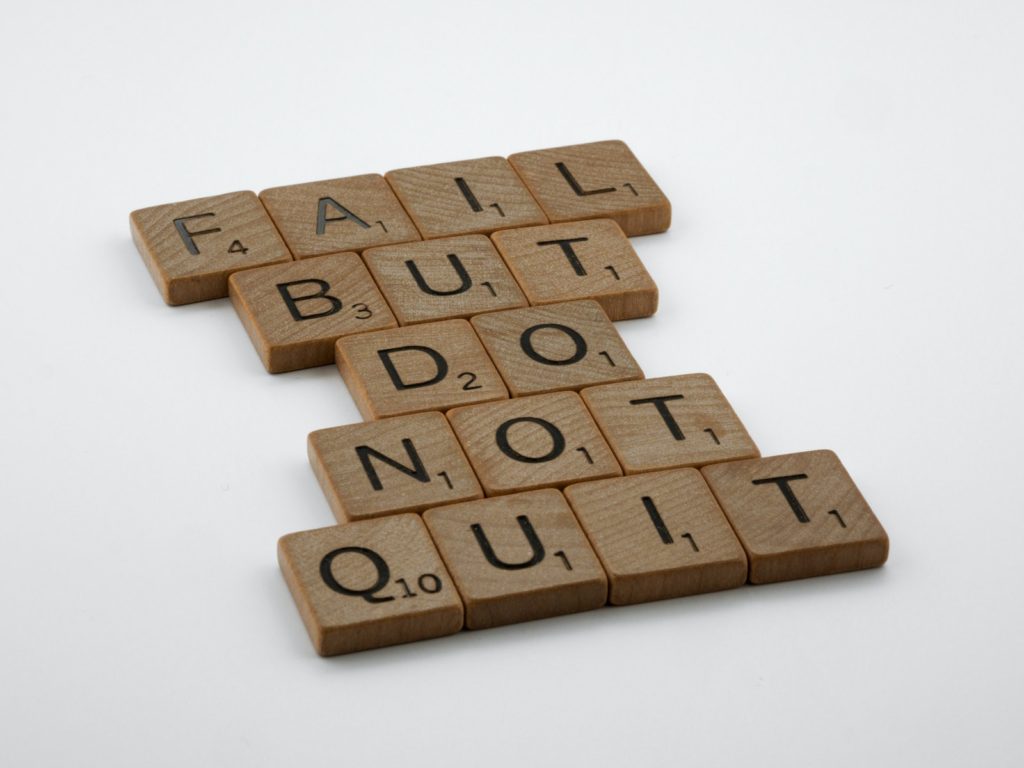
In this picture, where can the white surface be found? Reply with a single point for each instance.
(846, 259)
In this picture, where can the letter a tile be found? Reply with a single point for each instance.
(401, 464)
(334, 215)
(555, 347)
(465, 197)
(424, 367)
(190, 248)
(517, 558)
(295, 312)
(441, 279)
(798, 515)
(603, 180)
(673, 421)
(659, 535)
(370, 584)
(543, 441)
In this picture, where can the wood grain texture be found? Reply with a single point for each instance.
(433, 367)
(555, 347)
(190, 248)
(401, 464)
(295, 312)
(402, 590)
(798, 515)
(685, 422)
(659, 535)
(465, 197)
(451, 277)
(579, 260)
(544, 441)
(592, 181)
(334, 215)
(517, 558)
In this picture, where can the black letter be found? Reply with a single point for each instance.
(557, 440)
(580, 191)
(783, 483)
(321, 214)
(396, 379)
(526, 342)
(570, 254)
(460, 270)
(292, 301)
(468, 194)
(531, 537)
(656, 519)
(186, 236)
(417, 470)
(659, 403)
(368, 594)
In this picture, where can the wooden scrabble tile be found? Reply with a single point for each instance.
(579, 260)
(445, 278)
(424, 367)
(401, 464)
(560, 346)
(369, 584)
(674, 421)
(659, 535)
(798, 515)
(295, 312)
(465, 197)
(592, 181)
(543, 441)
(335, 215)
(191, 247)
(517, 558)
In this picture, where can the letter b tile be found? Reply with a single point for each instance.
(798, 515)
(424, 367)
(369, 584)
(295, 312)
(517, 558)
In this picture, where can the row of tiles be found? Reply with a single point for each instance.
(295, 312)
(412, 462)
(537, 554)
(191, 247)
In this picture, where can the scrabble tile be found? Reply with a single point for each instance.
(465, 197)
(336, 215)
(560, 346)
(369, 584)
(442, 279)
(401, 464)
(191, 247)
(592, 181)
(659, 535)
(517, 558)
(579, 260)
(543, 441)
(674, 421)
(295, 312)
(798, 515)
(424, 367)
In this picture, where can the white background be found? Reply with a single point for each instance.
(846, 259)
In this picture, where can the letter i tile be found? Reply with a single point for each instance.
(517, 558)
(295, 312)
